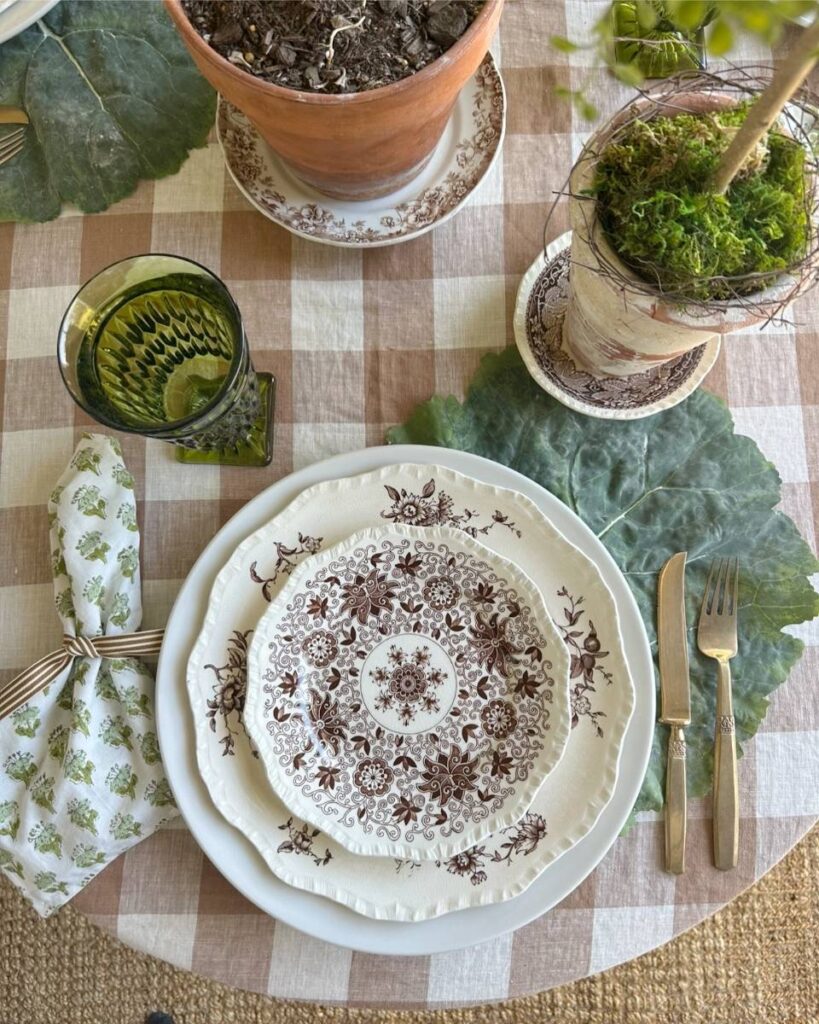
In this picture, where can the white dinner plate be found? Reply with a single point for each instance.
(235, 855)
(18, 15)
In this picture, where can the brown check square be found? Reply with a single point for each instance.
(253, 248)
(398, 314)
(47, 254)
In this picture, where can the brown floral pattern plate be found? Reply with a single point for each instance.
(567, 805)
(541, 304)
(391, 677)
(459, 164)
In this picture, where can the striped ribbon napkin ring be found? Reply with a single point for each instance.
(25, 686)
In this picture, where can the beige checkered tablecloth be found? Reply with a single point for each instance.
(356, 339)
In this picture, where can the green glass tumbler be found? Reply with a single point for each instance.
(154, 345)
(660, 49)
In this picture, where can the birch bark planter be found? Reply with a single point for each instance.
(354, 146)
(613, 325)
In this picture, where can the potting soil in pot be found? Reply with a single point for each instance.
(653, 202)
(331, 46)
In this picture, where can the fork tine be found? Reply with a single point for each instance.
(10, 154)
(734, 587)
(722, 587)
(12, 143)
(707, 594)
(11, 137)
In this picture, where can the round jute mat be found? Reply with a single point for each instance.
(755, 961)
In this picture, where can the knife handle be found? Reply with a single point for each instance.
(676, 803)
(726, 788)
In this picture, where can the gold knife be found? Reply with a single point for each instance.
(13, 115)
(672, 642)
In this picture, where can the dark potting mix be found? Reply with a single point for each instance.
(331, 46)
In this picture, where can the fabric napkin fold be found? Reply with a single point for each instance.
(81, 778)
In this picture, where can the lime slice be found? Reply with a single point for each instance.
(192, 384)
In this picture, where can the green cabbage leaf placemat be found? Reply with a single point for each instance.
(678, 481)
(112, 96)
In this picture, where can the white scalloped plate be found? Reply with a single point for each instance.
(407, 692)
(20, 14)
(567, 805)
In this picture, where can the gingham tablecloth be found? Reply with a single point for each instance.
(356, 339)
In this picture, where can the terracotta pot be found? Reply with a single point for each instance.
(354, 146)
(613, 329)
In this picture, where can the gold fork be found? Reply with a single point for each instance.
(12, 143)
(717, 638)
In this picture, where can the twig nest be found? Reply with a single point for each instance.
(653, 229)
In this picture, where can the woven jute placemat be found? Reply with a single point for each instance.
(757, 960)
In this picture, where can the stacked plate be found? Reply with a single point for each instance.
(409, 695)
(17, 15)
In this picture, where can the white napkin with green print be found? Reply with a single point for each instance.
(80, 774)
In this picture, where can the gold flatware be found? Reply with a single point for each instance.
(11, 145)
(675, 690)
(13, 115)
(717, 638)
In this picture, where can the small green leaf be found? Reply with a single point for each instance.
(563, 44)
(587, 110)
(687, 14)
(647, 14)
(629, 74)
(720, 38)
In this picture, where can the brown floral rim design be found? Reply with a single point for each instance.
(260, 175)
(517, 840)
(545, 308)
(229, 690)
(287, 558)
(437, 509)
(425, 707)
(300, 840)
(586, 652)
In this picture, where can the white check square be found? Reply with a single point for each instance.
(328, 315)
(470, 312)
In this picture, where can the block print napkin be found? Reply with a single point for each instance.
(80, 773)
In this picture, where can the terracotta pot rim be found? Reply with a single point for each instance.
(258, 85)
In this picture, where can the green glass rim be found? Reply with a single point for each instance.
(172, 426)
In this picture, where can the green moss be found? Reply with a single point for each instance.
(649, 185)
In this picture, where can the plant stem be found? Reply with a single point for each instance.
(764, 111)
